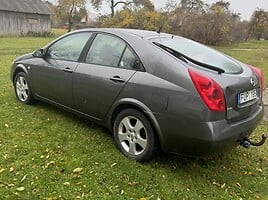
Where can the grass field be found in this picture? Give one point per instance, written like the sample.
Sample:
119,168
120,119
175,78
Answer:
46,153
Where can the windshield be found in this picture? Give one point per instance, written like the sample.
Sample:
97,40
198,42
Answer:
201,53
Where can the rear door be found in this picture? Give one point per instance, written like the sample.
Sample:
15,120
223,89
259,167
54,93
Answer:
108,66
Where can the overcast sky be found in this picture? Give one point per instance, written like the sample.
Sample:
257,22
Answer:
245,7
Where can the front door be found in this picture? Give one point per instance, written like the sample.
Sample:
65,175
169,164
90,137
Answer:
52,76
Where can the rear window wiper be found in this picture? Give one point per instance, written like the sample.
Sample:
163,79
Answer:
187,58
172,51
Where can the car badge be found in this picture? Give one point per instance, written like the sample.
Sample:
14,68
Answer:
253,82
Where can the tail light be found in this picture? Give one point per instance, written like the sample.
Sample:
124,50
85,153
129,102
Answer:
260,76
210,91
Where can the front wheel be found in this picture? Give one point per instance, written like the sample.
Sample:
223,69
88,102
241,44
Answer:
22,89
134,135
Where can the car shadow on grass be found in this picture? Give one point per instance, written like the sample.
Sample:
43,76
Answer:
71,116
168,160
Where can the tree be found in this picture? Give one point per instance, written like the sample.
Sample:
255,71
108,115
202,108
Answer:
122,19
221,6
138,19
68,8
113,4
211,25
259,24
183,17
197,5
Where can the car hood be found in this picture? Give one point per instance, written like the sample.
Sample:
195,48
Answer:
23,57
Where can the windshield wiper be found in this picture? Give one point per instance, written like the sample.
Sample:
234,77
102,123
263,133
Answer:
187,58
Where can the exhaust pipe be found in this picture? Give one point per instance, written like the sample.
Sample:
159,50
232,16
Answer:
246,142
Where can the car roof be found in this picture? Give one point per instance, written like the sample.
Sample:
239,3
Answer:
144,34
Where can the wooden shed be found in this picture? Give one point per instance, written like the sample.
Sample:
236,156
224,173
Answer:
21,17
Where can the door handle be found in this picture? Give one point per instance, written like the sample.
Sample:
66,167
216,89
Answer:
67,69
117,79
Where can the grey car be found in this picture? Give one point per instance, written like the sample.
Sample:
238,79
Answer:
152,90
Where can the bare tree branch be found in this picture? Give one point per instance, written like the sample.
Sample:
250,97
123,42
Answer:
122,2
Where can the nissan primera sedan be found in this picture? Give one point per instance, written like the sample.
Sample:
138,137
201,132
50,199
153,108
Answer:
152,90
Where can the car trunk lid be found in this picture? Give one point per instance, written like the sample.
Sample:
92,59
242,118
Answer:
243,95
243,92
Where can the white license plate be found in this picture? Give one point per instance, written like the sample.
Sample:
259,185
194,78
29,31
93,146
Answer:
247,96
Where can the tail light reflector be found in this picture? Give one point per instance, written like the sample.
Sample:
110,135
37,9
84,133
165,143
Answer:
210,91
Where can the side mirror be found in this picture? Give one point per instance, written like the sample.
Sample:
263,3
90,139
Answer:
39,53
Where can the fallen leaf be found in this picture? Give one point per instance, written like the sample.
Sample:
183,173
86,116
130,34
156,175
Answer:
50,163
217,184
23,178
6,125
238,184
77,170
20,189
66,183
2,170
113,164
259,170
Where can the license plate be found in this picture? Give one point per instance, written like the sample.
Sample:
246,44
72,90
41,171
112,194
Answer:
247,96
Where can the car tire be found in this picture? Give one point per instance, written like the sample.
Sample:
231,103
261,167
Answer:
134,135
22,88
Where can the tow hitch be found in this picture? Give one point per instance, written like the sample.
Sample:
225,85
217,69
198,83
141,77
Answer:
245,142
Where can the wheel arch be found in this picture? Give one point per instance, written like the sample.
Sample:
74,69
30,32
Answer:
19,68
135,104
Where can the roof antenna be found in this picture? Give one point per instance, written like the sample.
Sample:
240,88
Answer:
159,30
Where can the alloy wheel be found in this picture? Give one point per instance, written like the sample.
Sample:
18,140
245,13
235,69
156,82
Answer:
22,89
132,135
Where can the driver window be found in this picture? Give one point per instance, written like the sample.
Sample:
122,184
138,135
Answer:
69,48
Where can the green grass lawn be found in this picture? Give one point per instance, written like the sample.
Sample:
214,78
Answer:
47,153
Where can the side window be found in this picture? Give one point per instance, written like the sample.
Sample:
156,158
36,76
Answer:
106,50
69,48
128,60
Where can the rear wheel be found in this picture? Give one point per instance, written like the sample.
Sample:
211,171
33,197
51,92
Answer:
22,89
134,135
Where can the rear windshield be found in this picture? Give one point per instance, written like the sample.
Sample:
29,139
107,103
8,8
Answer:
201,53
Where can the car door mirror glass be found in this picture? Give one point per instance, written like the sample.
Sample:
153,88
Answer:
39,53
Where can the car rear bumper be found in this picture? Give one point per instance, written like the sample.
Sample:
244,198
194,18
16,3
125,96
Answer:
197,138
